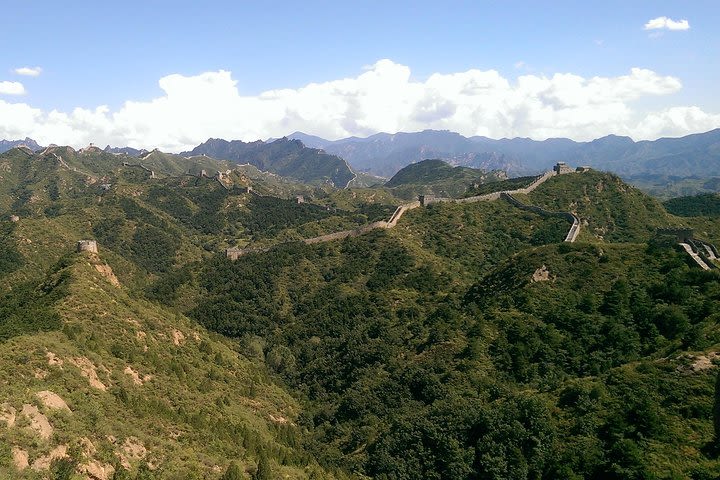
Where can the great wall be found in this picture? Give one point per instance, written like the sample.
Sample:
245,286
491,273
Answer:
703,253
234,253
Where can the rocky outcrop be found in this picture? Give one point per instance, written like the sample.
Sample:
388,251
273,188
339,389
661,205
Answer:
38,422
52,400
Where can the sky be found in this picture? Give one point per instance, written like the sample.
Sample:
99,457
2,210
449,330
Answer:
173,74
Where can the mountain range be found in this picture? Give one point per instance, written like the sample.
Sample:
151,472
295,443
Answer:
312,159
6,145
384,154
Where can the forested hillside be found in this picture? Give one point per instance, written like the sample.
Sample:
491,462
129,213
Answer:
468,341
411,373
706,205
289,158
439,178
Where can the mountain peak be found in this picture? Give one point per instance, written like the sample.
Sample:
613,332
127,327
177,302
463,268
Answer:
28,142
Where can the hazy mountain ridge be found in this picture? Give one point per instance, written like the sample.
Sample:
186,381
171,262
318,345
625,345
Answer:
285,157
385,154
130,151
314,159
6,145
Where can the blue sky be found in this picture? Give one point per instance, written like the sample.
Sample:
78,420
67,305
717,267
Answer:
95,54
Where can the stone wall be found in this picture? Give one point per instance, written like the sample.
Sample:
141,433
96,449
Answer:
424,200
140,166
701,263
395,217
570,217
87,246
430,199
346,233
26,150
479,198
234,253
680,234
561,168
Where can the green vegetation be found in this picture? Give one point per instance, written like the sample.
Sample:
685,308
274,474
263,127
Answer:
466,342
10,257
613,210
165,392
28,308
489,378
699,205
510,184
440,178
289,158
664,187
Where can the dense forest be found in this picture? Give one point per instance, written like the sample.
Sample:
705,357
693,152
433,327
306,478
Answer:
699,205
406,378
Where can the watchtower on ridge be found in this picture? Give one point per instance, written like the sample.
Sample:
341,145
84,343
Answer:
87,246
561,168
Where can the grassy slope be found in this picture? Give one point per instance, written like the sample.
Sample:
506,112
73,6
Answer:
180,218
383,332
201,404
486,249
438,177
169,164
466,239
707,204
610,209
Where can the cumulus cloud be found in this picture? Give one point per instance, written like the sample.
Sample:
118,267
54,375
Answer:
28,71
677,121
11,88
665,23
384,97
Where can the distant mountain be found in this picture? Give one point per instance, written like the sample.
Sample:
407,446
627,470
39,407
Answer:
289,158
311,141
6,145
440,178
132,152
385,154
426,172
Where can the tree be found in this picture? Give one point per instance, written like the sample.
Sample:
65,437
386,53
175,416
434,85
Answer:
263,472
63,468
716,410
233,472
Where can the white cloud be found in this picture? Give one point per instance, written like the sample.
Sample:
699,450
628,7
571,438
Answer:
666,23
677,121
382,98
28,71
11,88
